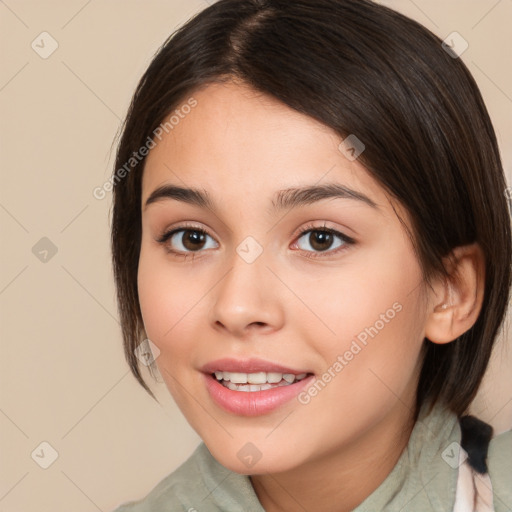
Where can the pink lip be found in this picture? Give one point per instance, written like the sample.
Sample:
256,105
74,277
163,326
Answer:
251,403
247,366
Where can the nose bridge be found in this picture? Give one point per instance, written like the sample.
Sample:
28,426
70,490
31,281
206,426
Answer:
245,281
245,295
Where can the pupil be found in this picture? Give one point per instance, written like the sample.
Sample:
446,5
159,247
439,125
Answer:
320,240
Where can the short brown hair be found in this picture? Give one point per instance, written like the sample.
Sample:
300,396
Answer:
359,68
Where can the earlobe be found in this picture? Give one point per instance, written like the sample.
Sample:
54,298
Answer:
457,300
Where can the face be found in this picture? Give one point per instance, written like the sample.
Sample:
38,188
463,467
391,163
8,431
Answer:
260,283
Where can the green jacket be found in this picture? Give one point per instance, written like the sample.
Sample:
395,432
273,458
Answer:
424,478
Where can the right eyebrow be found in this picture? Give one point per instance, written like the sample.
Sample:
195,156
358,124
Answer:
191,196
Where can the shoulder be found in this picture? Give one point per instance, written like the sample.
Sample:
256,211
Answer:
499,462
199,484
176,491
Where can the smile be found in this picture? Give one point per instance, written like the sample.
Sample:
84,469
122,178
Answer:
259,381
253,387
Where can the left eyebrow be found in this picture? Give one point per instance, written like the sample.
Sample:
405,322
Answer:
292,197
284,199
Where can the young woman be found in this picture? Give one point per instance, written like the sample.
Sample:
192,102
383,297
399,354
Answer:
310,225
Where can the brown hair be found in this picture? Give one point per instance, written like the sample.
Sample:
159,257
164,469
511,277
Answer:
359,68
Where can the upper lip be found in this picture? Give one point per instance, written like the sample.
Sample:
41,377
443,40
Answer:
252,365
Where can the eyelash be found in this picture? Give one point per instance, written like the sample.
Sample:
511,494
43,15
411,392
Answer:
347,241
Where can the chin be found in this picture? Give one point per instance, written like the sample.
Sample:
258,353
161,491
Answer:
249,460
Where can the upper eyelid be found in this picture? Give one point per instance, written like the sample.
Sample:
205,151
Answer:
308,228
168,233
300,231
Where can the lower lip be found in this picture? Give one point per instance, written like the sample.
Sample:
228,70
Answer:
253,403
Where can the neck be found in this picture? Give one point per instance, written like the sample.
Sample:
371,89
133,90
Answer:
339,481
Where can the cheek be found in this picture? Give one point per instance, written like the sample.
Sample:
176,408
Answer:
376,289
166,298
168,302
374,315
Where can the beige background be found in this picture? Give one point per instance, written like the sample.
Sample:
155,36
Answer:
63,376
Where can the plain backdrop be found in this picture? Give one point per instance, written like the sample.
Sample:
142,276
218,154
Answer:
64,381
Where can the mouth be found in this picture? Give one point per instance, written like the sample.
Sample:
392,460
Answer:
258,381
253,387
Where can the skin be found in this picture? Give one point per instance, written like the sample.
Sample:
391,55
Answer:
242,147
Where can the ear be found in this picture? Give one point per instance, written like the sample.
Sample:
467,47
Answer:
456,301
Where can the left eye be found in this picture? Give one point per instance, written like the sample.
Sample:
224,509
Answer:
321,240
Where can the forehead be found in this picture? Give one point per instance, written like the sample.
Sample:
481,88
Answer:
236,142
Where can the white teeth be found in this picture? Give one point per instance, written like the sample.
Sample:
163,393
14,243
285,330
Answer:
248,387
237,378
257,379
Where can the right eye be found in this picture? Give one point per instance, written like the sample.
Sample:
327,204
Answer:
185,239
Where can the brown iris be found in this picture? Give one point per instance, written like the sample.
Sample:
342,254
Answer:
193,240
320,240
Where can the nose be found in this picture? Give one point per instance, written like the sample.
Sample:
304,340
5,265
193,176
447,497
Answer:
247,300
